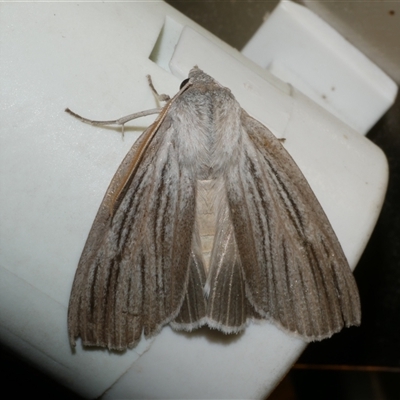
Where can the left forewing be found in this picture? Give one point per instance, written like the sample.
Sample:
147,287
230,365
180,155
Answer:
133,273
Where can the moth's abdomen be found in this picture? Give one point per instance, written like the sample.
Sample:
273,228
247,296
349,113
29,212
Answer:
205,217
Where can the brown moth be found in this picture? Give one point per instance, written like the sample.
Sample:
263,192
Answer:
209,221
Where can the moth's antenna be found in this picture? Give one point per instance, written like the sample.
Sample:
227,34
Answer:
120,121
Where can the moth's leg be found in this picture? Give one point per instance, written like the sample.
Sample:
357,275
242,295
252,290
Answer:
121,121
159,97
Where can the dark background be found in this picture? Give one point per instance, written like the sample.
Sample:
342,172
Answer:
358,363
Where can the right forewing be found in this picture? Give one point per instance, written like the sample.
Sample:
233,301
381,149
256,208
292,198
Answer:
295,270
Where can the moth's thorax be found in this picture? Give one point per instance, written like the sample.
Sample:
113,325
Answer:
207,119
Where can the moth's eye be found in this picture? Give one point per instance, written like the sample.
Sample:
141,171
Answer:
184,83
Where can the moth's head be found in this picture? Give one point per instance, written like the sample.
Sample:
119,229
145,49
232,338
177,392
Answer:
196,75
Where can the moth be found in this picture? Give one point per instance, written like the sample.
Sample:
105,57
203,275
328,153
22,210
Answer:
209,221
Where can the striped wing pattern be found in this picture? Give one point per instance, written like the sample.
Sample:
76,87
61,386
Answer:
133,274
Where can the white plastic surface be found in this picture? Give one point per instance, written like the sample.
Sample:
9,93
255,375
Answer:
298,47
93,58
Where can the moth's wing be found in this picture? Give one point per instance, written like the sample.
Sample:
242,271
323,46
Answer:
228,308
133,273
193,310
295,270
